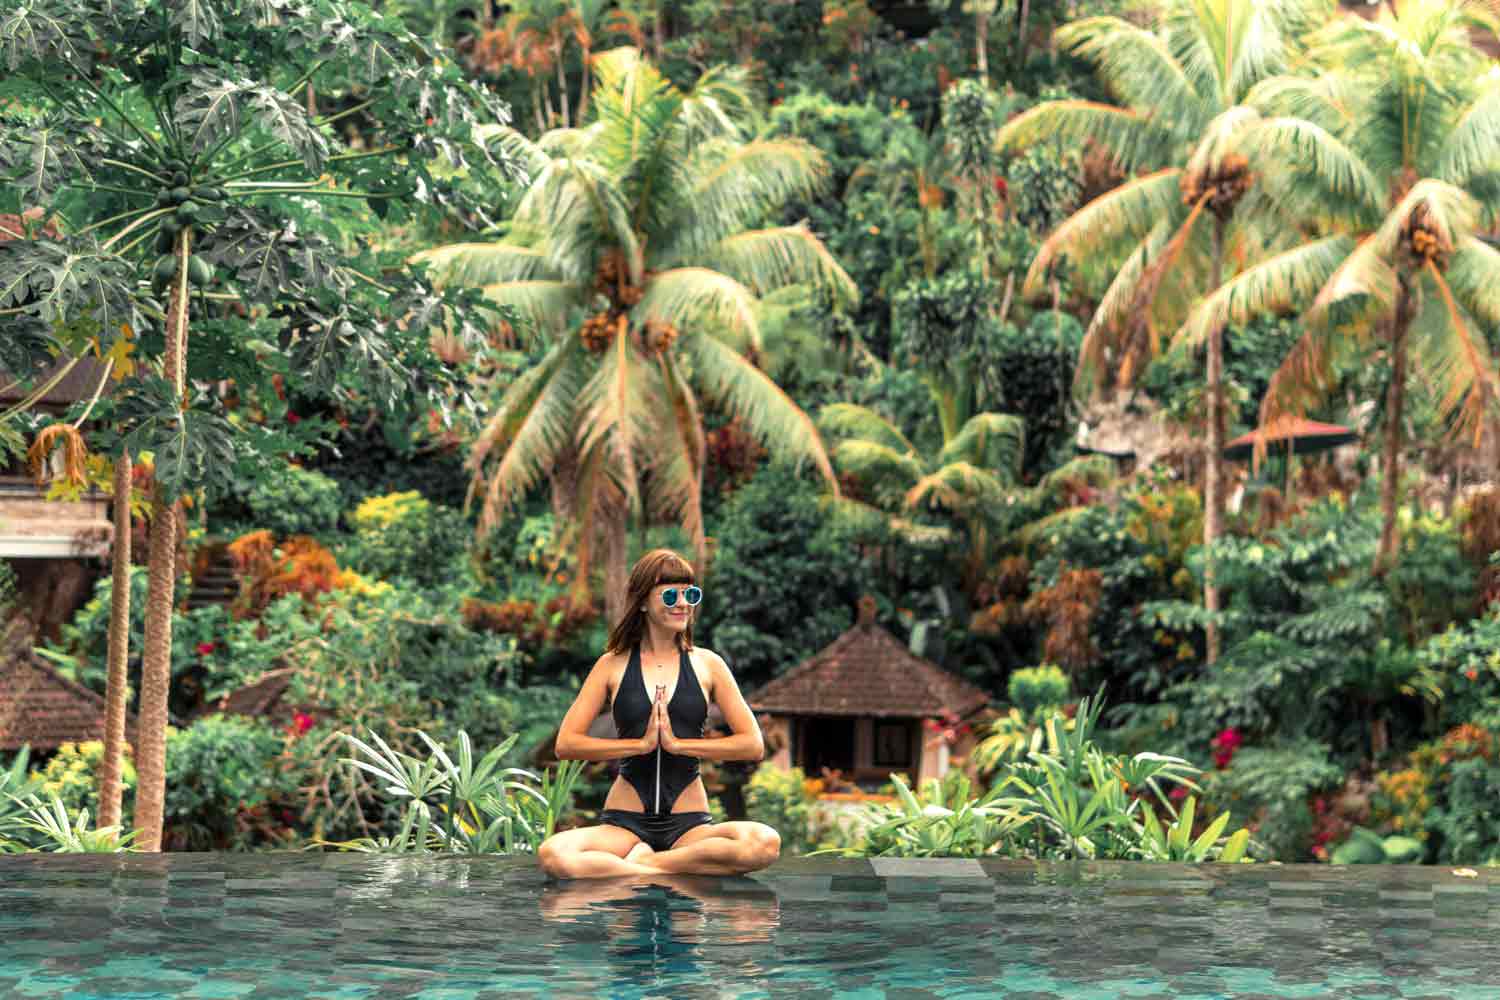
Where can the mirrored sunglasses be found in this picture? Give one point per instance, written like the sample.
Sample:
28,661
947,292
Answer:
690,595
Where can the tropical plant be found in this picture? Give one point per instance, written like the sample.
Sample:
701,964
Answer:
179,130
464,807
972,477
1162,239
71,834
1395,136
642,221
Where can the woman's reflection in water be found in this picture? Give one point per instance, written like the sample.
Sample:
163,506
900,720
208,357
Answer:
703,927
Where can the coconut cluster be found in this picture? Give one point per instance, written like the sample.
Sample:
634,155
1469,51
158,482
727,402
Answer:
1424,239
600,330
1225,183
659,335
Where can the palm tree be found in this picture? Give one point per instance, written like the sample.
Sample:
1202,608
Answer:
1396,131
1160,241
973,476
648,222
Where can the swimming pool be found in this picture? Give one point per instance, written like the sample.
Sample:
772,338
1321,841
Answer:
454,928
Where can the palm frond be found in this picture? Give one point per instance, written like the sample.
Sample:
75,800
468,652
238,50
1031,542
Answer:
1474,276
618,408
675,486
958,486
1138,68
688,297
1472,145
747,392
1363,280
733,185
543,304
888,473
995,442
869,520
1104,339
1277,285
768,259
1268,39
850,420
485,263
1347,191
1328,100
530,424
1102,229
513,143
1456,360
1134,140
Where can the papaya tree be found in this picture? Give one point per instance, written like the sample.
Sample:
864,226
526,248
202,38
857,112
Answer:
189,184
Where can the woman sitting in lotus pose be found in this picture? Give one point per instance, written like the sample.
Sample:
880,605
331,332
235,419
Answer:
655,818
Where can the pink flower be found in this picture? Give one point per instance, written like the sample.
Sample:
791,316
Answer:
1178,793
1225,744
301,723
204,648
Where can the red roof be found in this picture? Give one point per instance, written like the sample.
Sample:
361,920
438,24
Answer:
1292,428
868,672
42,708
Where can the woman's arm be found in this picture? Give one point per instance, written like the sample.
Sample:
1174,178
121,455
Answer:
573,741
745,743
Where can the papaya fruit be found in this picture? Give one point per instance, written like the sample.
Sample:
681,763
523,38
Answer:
200,273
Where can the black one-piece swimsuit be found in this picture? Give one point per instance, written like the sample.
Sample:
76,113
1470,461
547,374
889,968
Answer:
658,776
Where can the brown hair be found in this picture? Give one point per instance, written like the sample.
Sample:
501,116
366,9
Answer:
656,566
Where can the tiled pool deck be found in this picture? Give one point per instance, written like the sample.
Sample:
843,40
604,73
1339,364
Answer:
351,925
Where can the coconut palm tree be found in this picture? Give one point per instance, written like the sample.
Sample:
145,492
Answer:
973,477
1395,133
646,225
1163,239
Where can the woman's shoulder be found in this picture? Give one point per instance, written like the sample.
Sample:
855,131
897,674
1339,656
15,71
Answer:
709,658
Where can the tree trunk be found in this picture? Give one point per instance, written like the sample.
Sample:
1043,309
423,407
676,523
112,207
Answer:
982,42
1021,40
658,36
110,792
562,84
585,85
1395,398
616,574
1214,466
156,662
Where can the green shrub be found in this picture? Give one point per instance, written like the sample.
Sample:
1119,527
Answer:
779,798
297,502
73,774
1034,690
217,768
403,535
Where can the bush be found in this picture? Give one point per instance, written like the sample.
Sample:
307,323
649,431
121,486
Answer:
782,799
218,769
73,774
402,535
1034,690
297,502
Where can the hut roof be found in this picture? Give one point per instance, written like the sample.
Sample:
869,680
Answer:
42,708
868,672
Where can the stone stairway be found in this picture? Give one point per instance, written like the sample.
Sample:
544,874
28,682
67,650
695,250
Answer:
215,584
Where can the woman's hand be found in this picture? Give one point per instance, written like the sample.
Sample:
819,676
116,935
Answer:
648,741
669,741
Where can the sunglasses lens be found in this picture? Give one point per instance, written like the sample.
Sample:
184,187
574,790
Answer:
669,596
694,595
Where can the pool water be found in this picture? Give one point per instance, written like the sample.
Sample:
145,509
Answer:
364,926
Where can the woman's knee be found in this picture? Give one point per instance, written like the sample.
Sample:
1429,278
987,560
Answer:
765,844
552,856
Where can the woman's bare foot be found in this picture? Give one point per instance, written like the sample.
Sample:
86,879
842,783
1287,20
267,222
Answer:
640,854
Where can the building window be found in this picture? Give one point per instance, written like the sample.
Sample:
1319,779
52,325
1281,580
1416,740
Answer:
892,744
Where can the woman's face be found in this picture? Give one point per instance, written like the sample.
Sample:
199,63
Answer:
673,619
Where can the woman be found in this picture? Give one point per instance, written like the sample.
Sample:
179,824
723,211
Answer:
655,818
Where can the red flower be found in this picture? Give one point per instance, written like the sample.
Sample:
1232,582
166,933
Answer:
204,648
292,418
301,723
1000,186
1225,744
1178,793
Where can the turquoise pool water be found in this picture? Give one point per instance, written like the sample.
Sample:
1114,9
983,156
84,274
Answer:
450,928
